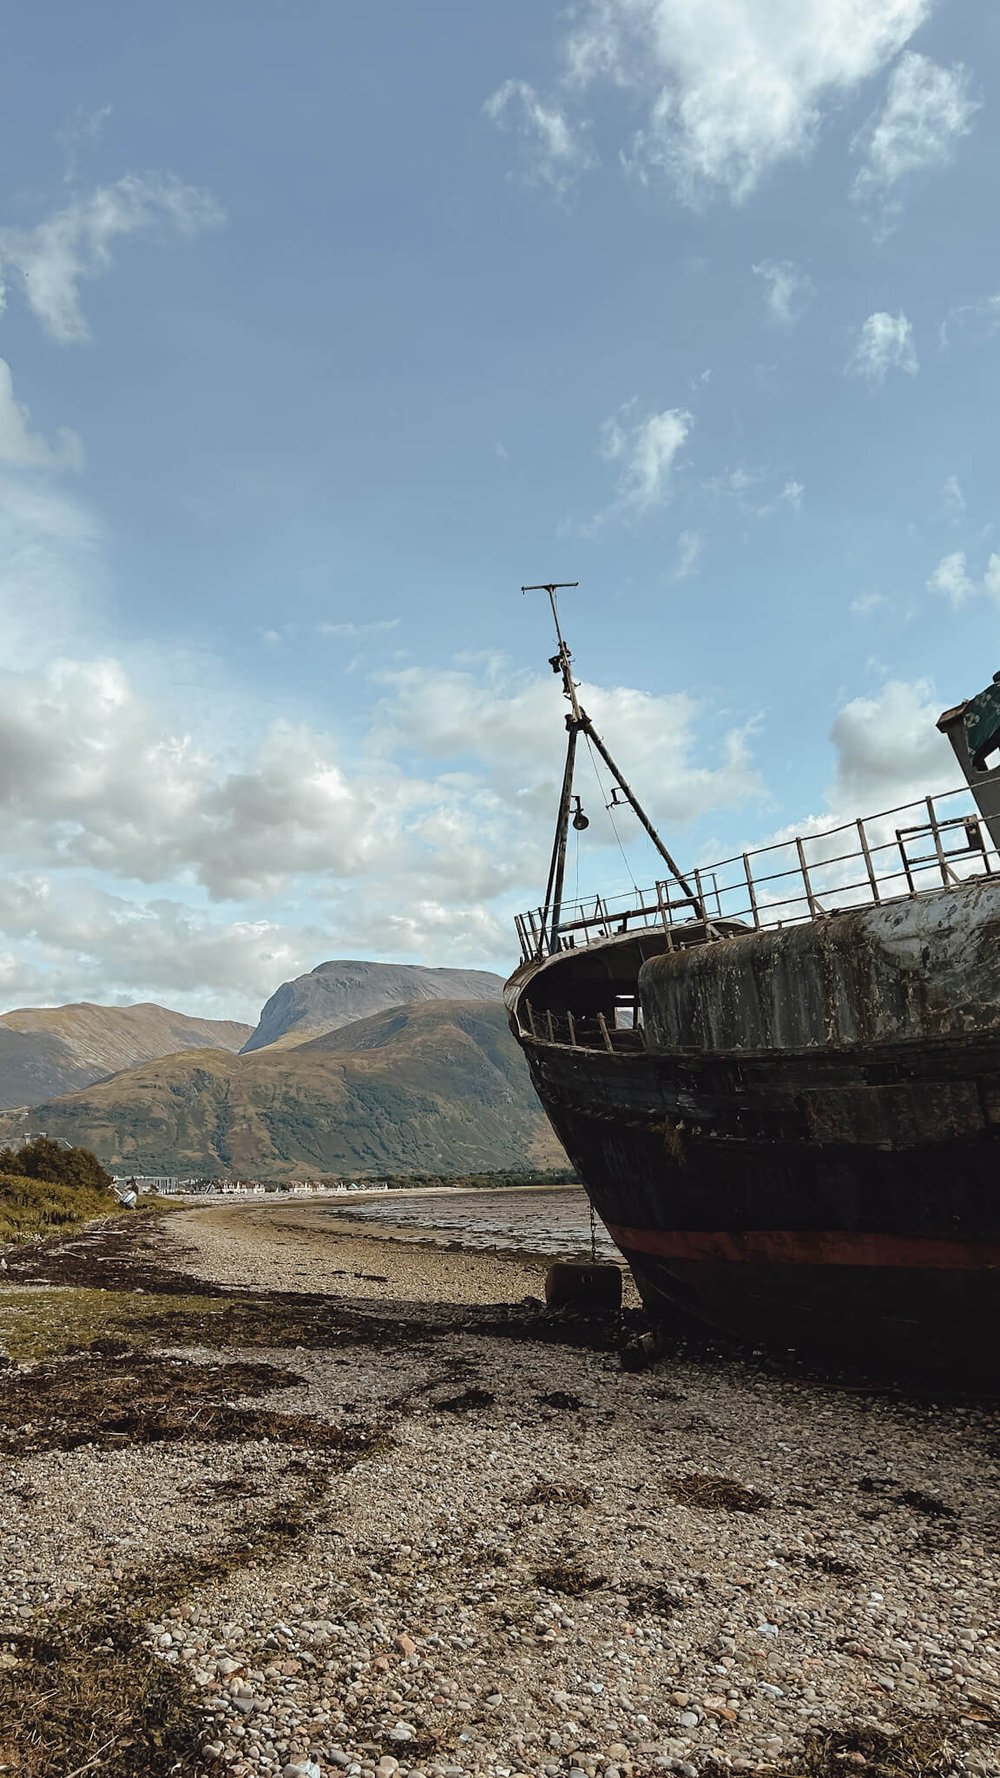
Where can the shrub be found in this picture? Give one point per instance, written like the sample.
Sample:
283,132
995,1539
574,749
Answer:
56,1164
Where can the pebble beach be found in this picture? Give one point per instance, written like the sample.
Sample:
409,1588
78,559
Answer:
449,1537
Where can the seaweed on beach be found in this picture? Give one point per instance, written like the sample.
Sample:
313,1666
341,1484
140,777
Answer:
82,1691
559,1494
919,1749
566,1577
466,1402
150,1400
714,1493
655,1599
929,1504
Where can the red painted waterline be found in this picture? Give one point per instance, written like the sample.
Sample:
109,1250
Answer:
811,1247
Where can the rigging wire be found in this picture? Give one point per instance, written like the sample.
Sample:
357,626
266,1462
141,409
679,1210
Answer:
609,807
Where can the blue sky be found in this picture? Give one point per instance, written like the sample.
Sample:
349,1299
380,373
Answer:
326,327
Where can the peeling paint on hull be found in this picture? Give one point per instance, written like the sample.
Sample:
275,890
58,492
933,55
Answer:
834,1186
833,1246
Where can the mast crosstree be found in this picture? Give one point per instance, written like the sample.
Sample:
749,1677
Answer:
579,723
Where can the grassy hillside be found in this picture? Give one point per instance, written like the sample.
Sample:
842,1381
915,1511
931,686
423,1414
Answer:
45,1050
34,1207
435,1087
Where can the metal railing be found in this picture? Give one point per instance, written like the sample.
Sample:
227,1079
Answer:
911,850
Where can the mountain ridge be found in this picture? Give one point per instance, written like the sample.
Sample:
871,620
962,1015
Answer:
46,1051
343,990
433,1086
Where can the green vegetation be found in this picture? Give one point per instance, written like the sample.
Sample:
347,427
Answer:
56,1164
48,1188
44,1321
490,1181
435,1089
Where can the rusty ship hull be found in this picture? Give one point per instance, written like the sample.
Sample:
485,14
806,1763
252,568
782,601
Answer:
798,1136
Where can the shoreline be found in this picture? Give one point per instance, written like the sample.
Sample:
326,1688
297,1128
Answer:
307,1248
417,1536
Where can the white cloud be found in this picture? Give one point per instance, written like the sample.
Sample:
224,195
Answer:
788,499
953,500
505,732
49,568
74,941
354,632
952,579
52,259
885,343
81,129
789,290
688,554
24,449
985,308
746,487
555,153
453,794
927,110
866,604
732,87
888,750
646,451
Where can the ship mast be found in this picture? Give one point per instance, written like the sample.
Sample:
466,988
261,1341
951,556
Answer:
579,723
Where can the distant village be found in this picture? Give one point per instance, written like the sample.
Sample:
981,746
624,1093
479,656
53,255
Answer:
171,1185
166,1185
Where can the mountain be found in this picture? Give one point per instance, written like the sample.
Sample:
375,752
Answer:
336,994
435,1086
58,1049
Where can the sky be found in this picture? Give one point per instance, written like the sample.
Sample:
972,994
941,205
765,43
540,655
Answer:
324,328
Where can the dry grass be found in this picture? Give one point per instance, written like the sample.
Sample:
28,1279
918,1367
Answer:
33,1208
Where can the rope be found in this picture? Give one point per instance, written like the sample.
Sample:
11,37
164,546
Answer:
593,1231
610,809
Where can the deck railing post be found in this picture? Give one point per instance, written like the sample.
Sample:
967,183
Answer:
907,871
814,907
605,1033
552,1033
946,875
751,890
870,868
531,1019
572,1028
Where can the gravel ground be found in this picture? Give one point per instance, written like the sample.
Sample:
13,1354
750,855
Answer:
524,1578
305,1247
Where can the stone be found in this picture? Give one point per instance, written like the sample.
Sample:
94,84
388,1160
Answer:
405,1644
